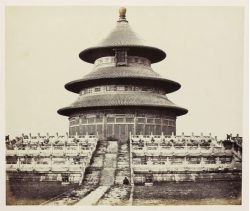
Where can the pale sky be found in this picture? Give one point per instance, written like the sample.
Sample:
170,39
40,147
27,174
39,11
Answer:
205,54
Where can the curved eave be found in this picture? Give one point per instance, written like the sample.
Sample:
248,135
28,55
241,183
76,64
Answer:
153,54
77,85
67,111
122,99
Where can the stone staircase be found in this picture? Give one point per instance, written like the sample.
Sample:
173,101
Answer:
90,182
123,164
93,172
110,164
118,194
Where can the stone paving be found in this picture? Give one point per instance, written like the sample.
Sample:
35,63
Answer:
94,196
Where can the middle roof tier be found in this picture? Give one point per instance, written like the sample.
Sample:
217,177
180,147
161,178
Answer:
129,75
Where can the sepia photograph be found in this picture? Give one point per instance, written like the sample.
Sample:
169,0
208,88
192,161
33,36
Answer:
112,105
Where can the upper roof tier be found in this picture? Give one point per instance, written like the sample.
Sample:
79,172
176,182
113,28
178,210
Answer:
122,36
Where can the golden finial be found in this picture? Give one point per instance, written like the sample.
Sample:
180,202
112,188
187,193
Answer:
122,12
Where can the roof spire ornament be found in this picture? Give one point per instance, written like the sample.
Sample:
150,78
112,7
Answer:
122,16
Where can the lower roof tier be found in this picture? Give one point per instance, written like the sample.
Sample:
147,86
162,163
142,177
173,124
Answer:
122,75
122,99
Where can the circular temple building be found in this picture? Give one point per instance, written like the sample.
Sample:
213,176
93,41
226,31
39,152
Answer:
122,93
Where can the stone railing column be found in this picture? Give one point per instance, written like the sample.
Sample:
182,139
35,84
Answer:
34,163
68,163
78,148
39,148
185,161
51,163
202,162
51,149
18,162
15,149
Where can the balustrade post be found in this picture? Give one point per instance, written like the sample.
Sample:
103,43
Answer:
202,162
199,147
18,162
162,136
34,163
223,147
15,148
39,148
185,161
64,149
51,163
51,149
67,137
173,148
27,148
167,163
78,148
68,162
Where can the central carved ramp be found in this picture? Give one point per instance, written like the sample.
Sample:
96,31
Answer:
110,163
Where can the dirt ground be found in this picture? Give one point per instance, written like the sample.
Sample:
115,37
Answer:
189,193
33,193
183,193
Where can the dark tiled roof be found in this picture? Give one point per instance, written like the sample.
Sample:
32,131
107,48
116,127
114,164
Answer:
124,75
122,36
123,98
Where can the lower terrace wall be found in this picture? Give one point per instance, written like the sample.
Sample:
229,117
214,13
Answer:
186,177
43,177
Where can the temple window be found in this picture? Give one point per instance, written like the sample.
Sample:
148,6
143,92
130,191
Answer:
77,130
140,129
165,130
129,119
121,56
111,120
110,130
119,120
99,120
120,88
158,121
91,120
149,129
99,129
97,89
165,122
158,130
141,120
84,120
150,120
91,129
131,129
77,122
83,131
